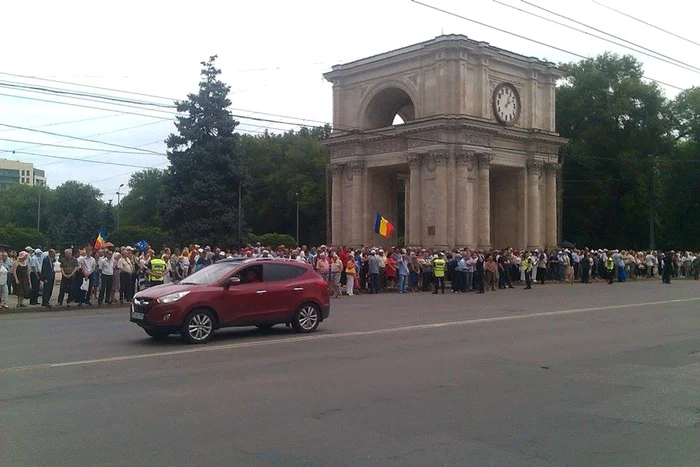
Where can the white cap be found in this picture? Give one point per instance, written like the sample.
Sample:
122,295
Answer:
200,250
37,251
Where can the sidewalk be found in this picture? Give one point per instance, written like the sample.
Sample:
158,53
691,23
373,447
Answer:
12,303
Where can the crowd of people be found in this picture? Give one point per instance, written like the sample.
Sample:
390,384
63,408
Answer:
111,275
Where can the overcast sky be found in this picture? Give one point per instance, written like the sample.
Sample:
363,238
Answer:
272,53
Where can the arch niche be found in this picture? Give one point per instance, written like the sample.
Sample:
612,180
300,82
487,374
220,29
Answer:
385,105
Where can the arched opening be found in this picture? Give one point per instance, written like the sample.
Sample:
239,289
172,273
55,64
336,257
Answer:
390,106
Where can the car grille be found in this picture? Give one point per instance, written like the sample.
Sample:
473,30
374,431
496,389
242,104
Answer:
141,305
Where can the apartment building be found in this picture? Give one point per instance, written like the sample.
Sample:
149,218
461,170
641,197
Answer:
16,172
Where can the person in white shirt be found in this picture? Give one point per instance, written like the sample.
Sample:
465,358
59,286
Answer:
106,267
86,265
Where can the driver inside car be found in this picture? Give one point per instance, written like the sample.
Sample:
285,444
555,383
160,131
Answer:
250,276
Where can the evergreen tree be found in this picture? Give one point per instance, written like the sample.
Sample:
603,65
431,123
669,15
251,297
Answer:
201,202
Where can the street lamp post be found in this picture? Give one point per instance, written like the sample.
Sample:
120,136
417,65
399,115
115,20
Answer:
38,211
297,194
119,194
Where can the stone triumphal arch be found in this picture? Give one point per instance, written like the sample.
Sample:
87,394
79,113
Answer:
476,150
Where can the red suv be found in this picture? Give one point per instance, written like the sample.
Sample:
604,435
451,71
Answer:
258,292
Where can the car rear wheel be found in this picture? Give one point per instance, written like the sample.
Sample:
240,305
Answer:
157,334
264,326
198,327
306,318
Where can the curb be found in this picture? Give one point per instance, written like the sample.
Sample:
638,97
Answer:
42,309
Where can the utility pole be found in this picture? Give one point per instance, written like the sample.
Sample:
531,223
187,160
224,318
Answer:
38,211
297,194
240,212
652,239
119,194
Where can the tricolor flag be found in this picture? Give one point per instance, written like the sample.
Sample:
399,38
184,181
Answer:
101,236
383,227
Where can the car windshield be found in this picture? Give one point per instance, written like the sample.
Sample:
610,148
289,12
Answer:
211,273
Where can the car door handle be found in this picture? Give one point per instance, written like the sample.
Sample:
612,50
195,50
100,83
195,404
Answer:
260,292
298,289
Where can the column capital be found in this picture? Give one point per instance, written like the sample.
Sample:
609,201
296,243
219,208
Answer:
414,160
534,167
551,169
336,169
440,157
484,160
466,158
356,168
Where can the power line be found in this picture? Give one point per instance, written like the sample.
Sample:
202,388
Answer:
85,86
123,174
90,99
595,35
88,140
97,134
69,122
174,114
123,112
519,36
100,154
646,23
72,159
66,92
78,148
608,34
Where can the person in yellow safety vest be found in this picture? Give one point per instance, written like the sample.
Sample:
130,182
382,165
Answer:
439,265
156,271
610,266
527,269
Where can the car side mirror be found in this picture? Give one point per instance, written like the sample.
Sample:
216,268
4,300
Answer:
233,281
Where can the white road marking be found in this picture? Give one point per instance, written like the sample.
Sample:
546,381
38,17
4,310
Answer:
292,340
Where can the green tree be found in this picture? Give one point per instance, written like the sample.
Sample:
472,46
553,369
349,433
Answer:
619,128
279,167
20,237
129,235
680,201
146,194
75,214
202,182
19,205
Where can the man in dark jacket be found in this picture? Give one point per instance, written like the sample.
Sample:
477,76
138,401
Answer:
48,277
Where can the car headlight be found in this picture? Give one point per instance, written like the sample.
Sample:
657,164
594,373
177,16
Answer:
173,297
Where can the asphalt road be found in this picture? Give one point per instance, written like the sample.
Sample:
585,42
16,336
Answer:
560,375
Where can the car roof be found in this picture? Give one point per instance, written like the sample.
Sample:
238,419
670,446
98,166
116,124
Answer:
245,260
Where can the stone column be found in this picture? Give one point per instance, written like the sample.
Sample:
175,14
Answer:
337,205
406,208
464,163
534,171
484,210
551,210
415,227
357,170
440,158
471,202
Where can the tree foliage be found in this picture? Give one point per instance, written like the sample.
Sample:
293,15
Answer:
619,127
202,182
146,196
279,167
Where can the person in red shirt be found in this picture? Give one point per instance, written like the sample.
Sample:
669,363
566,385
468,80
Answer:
390,272
343,255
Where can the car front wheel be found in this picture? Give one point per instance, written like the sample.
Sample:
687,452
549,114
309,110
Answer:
198,327
306,318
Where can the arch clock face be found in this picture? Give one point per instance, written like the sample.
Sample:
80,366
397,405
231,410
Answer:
506,104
